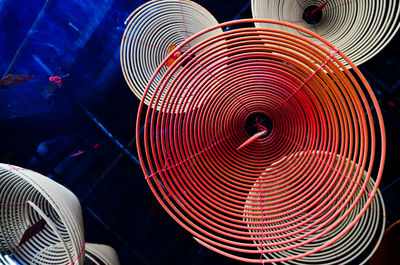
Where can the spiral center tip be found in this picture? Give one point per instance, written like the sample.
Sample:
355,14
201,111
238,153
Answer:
257,122
312,14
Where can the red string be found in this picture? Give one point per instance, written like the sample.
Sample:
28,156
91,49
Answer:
80,254
376,210
213,76
260,189
13,168
306,81
330,167
146,43
298,3
192,156
183,19
165,168
343,4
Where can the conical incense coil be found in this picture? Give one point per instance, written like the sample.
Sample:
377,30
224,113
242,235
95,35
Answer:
358,244
40,220
272,94
100,254
360,29
153,31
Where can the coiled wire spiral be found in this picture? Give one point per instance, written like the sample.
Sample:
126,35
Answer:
359,243
151,31
300,96
26,198
360,29
97,254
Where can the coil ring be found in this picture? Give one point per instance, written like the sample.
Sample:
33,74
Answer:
151,30
100,254
360,29
240,79
26,198
356,244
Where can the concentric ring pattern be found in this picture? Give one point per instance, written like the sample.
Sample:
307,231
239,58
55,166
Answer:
100,254
301,98
153,31
359,243
40,220
360,29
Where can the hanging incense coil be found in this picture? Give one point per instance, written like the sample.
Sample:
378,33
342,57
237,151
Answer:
358,244
272,94
153,31
40,220
97,254
360,29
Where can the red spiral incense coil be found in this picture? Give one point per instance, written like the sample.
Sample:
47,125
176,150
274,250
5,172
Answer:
216,96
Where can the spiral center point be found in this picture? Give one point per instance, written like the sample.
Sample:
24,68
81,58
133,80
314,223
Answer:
312,14
257,122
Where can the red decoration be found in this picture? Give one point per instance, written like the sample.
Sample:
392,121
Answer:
174,57
32,231
56,80
12,80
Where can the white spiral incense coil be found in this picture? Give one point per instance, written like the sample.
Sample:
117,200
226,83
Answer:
360,29
153,30
29,200
358,244
97,254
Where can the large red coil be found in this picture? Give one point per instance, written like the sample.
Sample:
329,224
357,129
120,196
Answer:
212,99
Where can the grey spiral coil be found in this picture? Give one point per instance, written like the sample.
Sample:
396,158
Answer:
360,243
151,31
29,200
360,29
